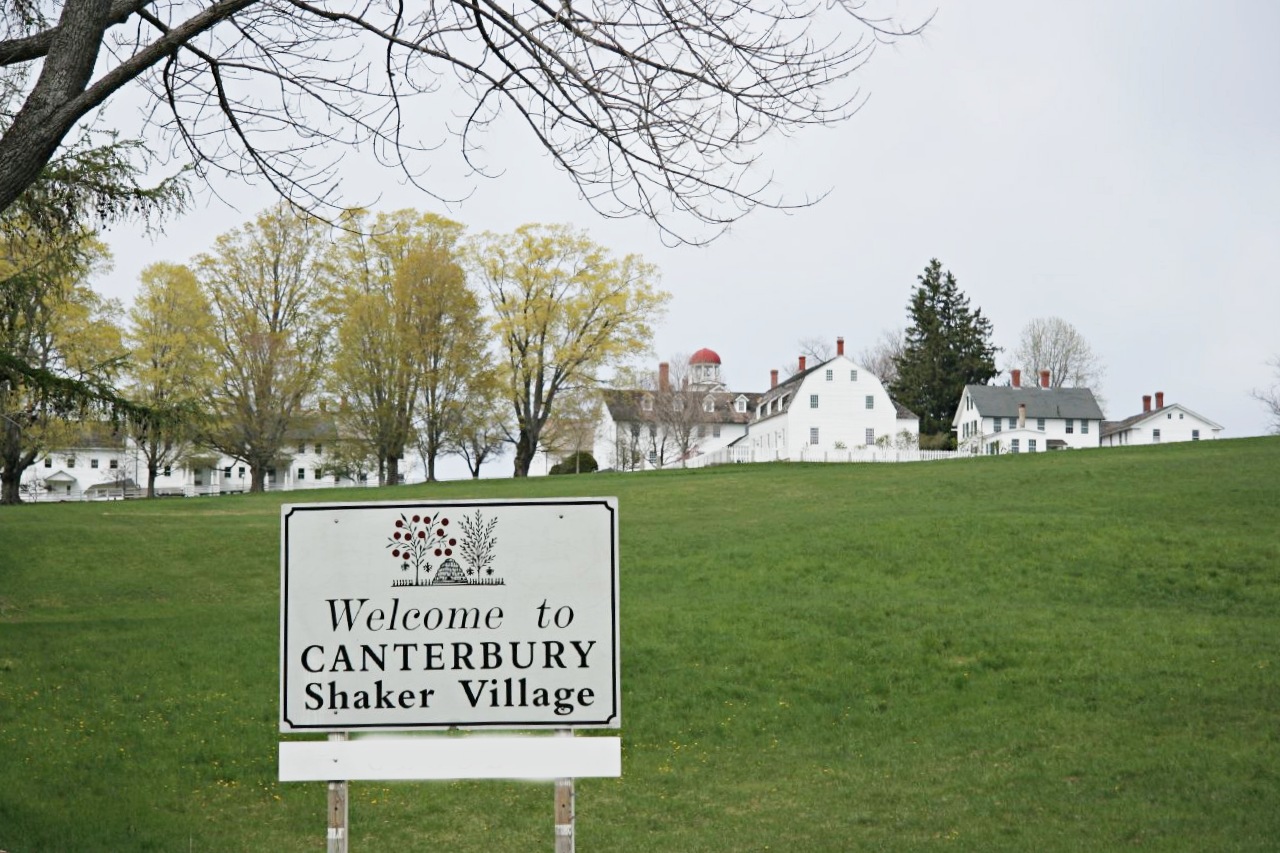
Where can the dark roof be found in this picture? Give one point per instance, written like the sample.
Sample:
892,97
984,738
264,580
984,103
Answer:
98,434
1003,401
627,406
312,426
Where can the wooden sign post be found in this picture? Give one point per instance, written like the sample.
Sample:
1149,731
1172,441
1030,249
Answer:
402,617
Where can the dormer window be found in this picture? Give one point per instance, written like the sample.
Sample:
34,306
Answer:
646,403
708,403
740,404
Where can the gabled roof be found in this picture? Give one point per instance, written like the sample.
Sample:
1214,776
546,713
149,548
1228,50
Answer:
626,406
903,412
1003,401
1113,427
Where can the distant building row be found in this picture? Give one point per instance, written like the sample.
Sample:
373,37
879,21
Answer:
837,410
100,463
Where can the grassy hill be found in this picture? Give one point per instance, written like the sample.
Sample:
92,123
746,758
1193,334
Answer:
1071,651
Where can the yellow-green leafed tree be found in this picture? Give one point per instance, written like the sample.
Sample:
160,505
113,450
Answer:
60,341
410,335
269,284
564,308
171,343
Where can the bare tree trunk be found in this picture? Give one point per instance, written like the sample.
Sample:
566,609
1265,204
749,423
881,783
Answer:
258,479
393,471
151,481
9,482
526,446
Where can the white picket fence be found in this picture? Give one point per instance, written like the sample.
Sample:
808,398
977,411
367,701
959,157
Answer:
740,455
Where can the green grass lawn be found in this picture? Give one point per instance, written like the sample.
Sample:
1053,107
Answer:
1069,651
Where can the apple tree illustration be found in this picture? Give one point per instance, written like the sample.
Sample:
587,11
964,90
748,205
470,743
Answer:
416,540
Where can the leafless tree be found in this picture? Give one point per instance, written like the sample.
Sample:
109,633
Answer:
1055,345
1271,397
881,358
679,414
815,351
652,108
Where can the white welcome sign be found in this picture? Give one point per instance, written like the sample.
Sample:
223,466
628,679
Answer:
473,614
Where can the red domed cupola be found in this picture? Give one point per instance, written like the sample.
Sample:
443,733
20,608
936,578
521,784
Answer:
704,369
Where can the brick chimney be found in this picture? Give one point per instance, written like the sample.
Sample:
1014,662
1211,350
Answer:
664,376
1044,379
1146,402
1022,416
773,379
800,369
1016,377
1159,400
839,346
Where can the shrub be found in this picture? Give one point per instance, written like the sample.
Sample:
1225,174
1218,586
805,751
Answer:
581,462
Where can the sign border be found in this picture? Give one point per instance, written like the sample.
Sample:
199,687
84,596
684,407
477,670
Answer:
611,720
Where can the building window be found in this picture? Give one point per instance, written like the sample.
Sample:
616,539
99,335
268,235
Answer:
715,430
1084,427
302,448
853,376
71,462
226,472
302,474
113,464
1031,445
871,401
241,472
647,403
998,423
1195,435
831,374
1155,436
168,471
870,436
813,435
48,462
1040,424
1071,426
701,432
318,449
1013,446
813,401
93,463
740,404
1013,423
708,403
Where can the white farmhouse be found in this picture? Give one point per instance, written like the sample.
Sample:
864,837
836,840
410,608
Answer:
1160,425
1026,419
834,407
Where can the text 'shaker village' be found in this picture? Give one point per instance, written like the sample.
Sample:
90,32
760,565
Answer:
484,614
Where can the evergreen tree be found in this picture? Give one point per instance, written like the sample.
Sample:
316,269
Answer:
948,346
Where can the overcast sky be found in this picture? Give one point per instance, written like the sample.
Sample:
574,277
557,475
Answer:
1115,164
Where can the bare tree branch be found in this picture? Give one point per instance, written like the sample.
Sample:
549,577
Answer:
651,107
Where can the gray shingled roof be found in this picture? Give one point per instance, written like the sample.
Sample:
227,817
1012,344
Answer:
1003,401
625,406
